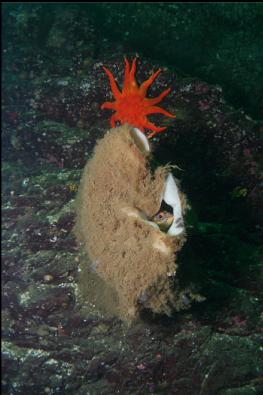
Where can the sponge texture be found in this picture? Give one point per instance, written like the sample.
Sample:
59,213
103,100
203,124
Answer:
118,196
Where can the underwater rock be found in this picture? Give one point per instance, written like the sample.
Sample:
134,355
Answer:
117,200
51,121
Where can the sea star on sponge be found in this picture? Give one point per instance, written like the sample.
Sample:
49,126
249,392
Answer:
132,105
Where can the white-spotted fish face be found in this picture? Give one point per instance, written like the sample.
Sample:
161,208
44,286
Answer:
163,219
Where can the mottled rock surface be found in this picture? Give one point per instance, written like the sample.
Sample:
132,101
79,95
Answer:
53,342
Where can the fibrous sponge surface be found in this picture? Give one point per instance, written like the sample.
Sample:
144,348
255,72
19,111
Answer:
117,197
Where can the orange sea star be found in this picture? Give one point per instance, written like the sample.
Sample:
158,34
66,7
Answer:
132,105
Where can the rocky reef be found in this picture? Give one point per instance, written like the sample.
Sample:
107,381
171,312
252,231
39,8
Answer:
53,340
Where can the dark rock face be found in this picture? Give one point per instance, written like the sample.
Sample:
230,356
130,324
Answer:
53,342
219,43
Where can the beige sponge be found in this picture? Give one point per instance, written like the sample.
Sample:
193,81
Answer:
118,197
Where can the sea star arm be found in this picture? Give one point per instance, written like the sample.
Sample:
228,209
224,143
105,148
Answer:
152,126
146,84
159,98
130,84
113,120
154,133
158,110
114,87
133,69
126,74
109,105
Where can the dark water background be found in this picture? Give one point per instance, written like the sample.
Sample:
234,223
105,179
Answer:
220,43
55,341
